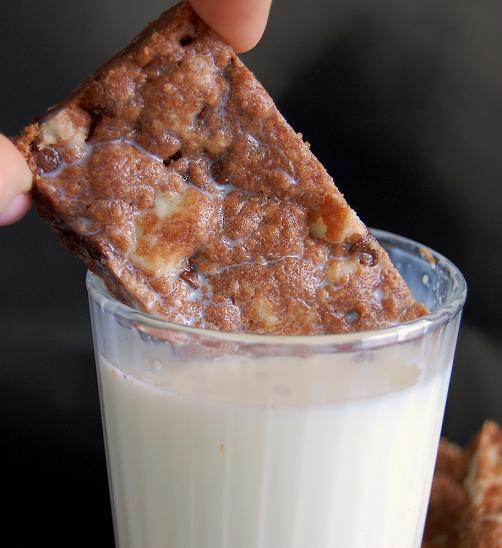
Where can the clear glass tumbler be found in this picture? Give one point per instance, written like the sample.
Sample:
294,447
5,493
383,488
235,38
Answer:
232,440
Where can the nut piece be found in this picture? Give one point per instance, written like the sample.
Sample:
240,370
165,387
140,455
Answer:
68,128
339,270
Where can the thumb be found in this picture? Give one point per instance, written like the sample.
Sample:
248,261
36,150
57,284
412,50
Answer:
240,22
15,179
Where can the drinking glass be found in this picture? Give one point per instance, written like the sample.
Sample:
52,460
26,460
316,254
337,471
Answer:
235,440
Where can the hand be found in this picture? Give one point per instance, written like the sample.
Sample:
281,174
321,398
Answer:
240,22
15,181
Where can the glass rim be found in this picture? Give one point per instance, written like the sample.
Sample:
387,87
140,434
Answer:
375,338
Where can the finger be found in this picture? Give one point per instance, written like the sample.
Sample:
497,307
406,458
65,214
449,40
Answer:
15,175
16,209
240,22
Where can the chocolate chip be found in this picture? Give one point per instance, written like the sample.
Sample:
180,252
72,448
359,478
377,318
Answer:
176,156
185,40
203,113
48,159
217,171
368,259
191,278
367,255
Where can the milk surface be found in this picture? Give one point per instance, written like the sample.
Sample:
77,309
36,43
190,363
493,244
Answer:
269,453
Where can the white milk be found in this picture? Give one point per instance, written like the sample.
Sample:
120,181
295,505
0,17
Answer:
342,459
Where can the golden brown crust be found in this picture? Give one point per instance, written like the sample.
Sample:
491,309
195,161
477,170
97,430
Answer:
465,509
172,174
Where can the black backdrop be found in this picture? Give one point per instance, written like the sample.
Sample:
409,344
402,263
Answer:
401,100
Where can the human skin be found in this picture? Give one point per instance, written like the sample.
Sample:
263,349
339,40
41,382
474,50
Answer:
15,182
240,22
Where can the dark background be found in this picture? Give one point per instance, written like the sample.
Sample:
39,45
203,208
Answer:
401,100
